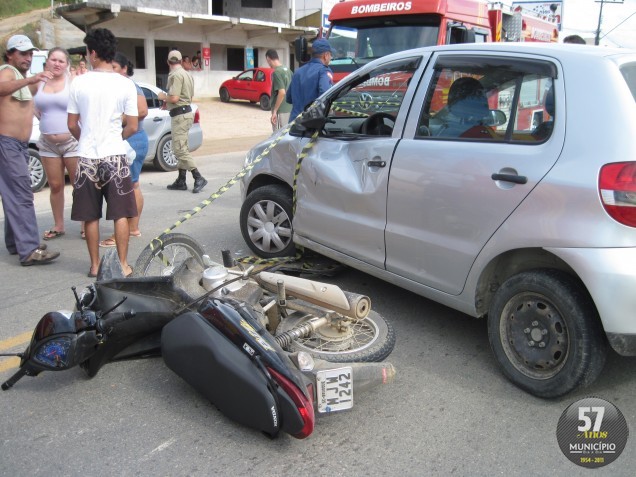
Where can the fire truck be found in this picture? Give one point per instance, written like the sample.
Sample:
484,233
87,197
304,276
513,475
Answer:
362,30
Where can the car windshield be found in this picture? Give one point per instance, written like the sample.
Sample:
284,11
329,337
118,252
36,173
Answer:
356,43
629,73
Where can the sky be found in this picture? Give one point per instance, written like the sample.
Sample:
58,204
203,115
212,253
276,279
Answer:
581,17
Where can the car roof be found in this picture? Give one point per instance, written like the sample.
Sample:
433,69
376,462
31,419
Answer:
557,50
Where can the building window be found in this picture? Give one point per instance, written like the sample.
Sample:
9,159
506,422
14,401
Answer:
256,3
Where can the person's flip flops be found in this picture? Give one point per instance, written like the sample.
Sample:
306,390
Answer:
109,242
52,234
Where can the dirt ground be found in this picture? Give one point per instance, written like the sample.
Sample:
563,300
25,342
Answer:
231,127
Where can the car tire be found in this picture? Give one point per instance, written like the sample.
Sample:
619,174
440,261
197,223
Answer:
266,221
164,159
264,102
225,95
36,171
545,333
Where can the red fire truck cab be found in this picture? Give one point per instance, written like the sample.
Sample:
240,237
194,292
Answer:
362,30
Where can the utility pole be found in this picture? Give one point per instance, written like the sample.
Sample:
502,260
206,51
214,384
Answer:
600,18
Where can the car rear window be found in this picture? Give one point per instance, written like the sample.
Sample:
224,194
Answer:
629,73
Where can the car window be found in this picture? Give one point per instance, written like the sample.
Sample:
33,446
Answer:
246,76
629,73
260,76
152,100
489,99
369,105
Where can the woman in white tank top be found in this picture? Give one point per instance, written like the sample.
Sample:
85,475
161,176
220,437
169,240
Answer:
57,147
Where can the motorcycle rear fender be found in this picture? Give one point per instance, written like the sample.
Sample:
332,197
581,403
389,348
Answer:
225,375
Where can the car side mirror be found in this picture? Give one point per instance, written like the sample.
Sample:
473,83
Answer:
314,116
496,118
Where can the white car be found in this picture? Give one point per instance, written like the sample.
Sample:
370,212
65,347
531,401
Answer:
156,125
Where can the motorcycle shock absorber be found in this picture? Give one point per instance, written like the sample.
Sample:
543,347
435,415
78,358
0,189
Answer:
301,331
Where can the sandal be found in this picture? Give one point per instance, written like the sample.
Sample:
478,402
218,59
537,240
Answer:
135,234
52,234
83,235
130,274
109,242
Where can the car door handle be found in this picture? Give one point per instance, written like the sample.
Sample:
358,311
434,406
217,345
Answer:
157,119
517,179
376,163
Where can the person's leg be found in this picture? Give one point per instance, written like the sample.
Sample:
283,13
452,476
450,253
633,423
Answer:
180,151
54,169
91,228
122,232
133,222
17,199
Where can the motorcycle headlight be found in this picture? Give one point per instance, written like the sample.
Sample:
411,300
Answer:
54,353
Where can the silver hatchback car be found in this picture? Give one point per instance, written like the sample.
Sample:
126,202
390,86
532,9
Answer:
498,179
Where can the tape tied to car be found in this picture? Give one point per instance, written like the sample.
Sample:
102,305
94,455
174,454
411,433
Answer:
157,242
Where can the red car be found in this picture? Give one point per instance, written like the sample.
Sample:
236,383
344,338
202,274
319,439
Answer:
253,85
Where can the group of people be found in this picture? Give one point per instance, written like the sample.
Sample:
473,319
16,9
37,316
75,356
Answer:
292,93
84,123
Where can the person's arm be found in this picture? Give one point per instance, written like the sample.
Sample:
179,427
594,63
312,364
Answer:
132,124
279,100
142,106
9,85
170,96
325,81
73,125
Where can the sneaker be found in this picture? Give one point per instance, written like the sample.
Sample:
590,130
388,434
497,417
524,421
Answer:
199,183
40,256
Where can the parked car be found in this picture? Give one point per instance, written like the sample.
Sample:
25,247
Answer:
511,195
157,126
253,85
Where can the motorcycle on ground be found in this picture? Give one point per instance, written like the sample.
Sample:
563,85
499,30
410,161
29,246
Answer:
267,349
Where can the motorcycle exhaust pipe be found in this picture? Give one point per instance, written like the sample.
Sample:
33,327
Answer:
326,295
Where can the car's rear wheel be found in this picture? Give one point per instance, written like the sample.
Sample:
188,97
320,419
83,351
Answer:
165,160
546,333
264,102
225,95
266,221
36,171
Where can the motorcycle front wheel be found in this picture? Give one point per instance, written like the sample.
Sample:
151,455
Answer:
364,341
162,259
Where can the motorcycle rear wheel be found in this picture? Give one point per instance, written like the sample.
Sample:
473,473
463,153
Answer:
163,260
370,340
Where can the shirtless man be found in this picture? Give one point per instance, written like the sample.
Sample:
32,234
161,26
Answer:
21,235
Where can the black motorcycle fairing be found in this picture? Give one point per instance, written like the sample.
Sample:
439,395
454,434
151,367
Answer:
237,321
154,300
220,371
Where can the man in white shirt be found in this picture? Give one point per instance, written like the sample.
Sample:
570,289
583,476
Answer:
97,101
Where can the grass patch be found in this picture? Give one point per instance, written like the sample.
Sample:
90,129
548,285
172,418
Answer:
10,8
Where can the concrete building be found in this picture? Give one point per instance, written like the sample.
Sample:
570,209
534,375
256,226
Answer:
231,35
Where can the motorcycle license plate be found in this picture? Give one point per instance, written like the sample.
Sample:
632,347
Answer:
335,389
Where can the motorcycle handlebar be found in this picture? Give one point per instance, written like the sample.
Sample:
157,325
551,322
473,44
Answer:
104,324
8,384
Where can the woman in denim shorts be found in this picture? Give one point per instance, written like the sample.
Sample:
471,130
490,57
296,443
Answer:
139,142
57,147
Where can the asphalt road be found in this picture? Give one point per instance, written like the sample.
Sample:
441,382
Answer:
449,412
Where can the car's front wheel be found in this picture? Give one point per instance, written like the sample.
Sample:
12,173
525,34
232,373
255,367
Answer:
36,171
545,333
225,95
264,102
266,221
165,160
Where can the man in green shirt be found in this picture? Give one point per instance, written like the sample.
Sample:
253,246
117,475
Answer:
280,82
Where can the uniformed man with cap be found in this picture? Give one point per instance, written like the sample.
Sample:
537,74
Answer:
178,101
312,79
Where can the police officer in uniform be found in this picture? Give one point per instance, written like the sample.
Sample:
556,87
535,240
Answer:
178,100
312,79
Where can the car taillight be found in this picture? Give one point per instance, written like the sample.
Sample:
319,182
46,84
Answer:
617,186
305,406
196,117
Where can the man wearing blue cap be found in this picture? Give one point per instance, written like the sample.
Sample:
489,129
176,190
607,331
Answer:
311,80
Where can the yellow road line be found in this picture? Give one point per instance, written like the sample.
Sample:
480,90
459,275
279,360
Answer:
13,362
15,341
9,363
